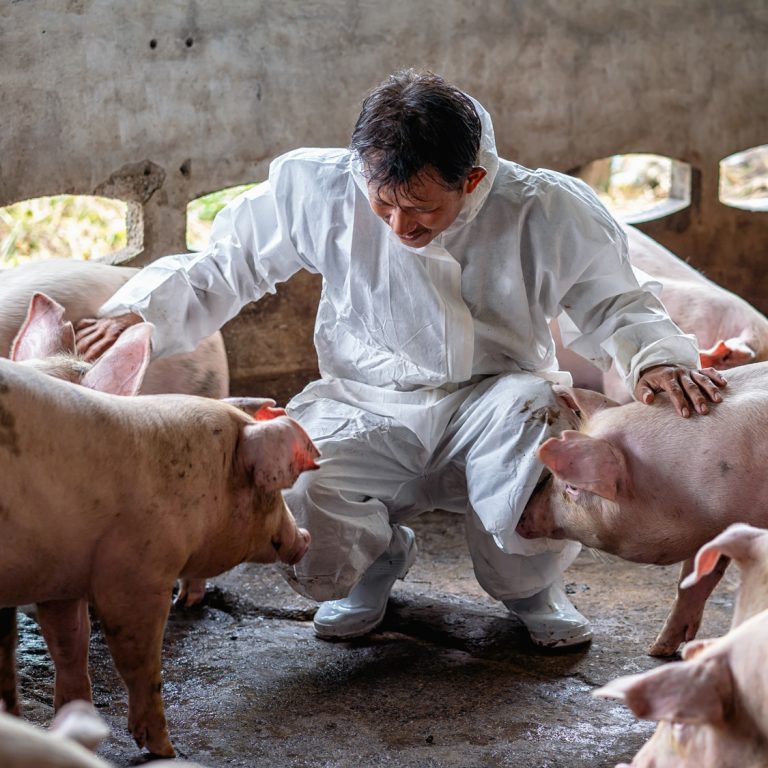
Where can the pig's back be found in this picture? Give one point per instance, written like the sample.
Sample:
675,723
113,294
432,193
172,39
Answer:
716,461
80,286
79,466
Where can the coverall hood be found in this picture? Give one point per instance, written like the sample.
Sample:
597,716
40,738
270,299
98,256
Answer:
487,157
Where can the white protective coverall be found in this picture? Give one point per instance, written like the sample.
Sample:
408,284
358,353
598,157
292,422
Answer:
435,362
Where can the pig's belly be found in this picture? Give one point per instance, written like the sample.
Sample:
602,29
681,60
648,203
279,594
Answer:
41,579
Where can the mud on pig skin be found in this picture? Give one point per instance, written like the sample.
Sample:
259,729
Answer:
111,499
642,483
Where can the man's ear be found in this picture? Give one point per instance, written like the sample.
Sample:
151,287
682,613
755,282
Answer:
476,175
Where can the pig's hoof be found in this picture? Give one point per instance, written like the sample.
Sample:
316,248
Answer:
160,745
191,593
663,648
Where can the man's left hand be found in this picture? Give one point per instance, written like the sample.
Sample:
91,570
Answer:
686,387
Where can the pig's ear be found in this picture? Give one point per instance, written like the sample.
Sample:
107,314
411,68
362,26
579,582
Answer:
44,332
79,721
588,463
582,401
727,354
735,541
695,692
120,370
259,408
276,451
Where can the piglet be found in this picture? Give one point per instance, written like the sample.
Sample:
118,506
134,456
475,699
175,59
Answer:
110,499
76,729
713,705
639,482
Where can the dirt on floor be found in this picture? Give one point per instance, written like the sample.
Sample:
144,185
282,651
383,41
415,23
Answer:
449,681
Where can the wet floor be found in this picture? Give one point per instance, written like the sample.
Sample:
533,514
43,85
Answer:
450,680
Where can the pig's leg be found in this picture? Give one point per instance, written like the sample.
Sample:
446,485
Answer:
8,695
684,619
191,592
66,627
135,639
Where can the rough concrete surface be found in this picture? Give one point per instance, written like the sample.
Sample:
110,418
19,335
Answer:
449,681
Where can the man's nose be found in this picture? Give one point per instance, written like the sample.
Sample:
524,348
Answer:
400,222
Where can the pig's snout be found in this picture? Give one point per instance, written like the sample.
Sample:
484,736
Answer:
292,555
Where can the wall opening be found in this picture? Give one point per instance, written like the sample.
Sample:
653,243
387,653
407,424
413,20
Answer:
639,187
62,227
202,211
744,179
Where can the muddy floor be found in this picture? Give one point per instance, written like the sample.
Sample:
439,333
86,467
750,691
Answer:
450,680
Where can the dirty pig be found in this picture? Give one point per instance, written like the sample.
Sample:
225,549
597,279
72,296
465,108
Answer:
110,499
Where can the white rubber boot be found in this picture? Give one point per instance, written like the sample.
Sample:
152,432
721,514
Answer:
363,610
551,619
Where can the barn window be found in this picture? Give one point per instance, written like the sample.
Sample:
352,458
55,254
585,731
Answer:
639,187
744,179
62,227
202,211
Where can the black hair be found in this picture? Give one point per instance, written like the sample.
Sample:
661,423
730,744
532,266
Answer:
414,122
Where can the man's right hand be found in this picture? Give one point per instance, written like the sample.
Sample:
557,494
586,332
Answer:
94,336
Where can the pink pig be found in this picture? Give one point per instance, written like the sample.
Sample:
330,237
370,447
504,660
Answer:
110,499
713,705
47,342
729,330
76,729
81,287
641,483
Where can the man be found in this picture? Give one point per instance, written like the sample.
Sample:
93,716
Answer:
442,265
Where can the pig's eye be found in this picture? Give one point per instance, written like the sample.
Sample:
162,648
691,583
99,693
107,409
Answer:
572,490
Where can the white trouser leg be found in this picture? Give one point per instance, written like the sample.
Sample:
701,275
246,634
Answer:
365,482
493,438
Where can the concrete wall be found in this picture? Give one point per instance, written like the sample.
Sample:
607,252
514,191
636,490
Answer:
161,102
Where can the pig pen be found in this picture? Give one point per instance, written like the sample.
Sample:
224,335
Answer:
449,681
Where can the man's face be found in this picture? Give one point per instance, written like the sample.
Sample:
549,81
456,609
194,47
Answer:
426,209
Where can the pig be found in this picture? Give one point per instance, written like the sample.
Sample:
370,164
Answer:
729,330
747,546
110,499
713,705
47,342
81,287
76,729
639,482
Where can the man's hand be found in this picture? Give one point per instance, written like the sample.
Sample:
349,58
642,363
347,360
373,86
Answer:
686,387
94,336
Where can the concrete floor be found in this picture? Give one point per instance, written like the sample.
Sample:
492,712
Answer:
450,680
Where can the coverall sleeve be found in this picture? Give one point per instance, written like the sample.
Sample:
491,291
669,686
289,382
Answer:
609,314
189,296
